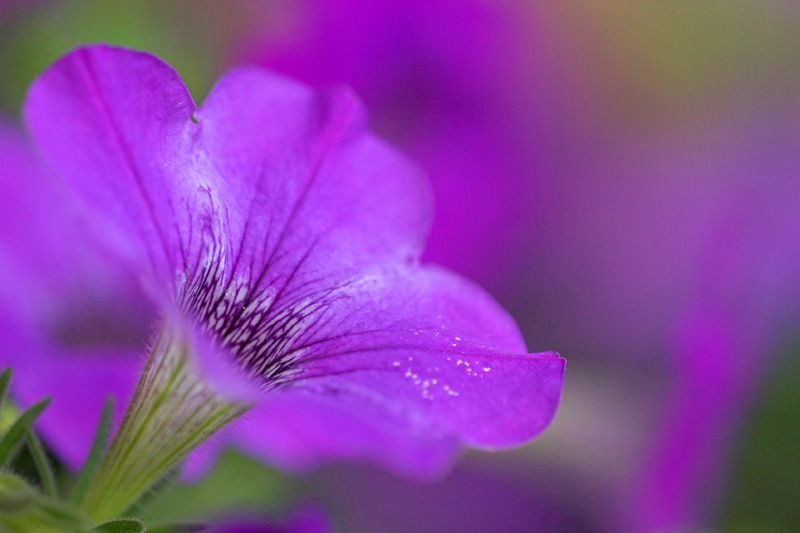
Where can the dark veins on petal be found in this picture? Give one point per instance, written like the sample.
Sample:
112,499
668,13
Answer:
263,323
271,311
268,317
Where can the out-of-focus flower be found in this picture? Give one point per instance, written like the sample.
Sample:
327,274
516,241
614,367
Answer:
281,241
653,231
6,5
744,300
309,519
60,301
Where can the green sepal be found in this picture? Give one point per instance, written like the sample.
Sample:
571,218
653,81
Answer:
95,454
121,525
8,413
177,528
18,430
5,377
43,466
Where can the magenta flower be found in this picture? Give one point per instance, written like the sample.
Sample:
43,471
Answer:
281,241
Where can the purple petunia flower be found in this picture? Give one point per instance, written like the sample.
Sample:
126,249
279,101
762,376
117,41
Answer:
281,240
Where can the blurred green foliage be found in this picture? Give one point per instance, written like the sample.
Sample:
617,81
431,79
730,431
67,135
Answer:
193,37
662,61
235,483
765,484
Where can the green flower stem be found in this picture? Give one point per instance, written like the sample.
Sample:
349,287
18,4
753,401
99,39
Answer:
172,412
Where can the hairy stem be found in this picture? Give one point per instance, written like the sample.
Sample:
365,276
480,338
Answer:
173,411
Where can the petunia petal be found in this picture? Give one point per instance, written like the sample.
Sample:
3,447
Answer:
112,122
306,186
299,432
411,360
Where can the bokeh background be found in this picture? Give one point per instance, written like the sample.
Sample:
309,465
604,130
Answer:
623,176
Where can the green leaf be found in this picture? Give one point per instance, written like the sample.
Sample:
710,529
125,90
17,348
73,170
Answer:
122,525
14,435
95,454
23,509
43,465
177,528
